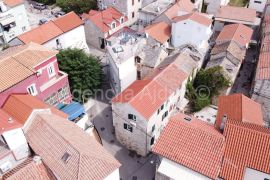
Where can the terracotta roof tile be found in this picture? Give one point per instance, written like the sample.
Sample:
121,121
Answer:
181,5
51,29
68,22
197,17
247,146
12,3
5,124
154,89
21,106
236,13
235,32
160,31
52,138
31,171
238,108
102,19
17,63
193,144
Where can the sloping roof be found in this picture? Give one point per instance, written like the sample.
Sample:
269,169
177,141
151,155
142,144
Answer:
102,19
236,13
263,68
154,89
68,22
197,17
160,31
247,146
240,108
181,5
29,170
51,29
193,144
17,63
56,139
235,32
232,47
21,106
5,124
12,3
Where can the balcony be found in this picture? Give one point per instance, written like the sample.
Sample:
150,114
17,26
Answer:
59,77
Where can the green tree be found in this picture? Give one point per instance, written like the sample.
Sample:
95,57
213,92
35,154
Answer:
206,85
85,72
79,6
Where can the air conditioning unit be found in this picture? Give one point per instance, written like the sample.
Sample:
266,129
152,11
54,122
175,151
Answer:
39,72
5,167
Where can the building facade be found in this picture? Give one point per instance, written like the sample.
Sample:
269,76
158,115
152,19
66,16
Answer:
13,20
33,69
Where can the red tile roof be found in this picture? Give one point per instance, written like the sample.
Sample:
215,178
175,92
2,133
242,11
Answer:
68,22
239,108
235,32
12,3
21,106
154,89
52,29
17,63
29,170
197,17
193,144
236,13
53,137
5,124
102,19
181,5
160,31
247,146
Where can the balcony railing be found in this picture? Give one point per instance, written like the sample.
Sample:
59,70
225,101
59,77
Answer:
60,76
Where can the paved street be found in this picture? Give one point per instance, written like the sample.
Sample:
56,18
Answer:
133,166
245,76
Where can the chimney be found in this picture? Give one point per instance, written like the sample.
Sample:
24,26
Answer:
223,122
10,120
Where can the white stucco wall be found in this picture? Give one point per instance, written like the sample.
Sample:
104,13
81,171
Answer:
122,74
177,171
74,38
252,174
257,4
21,20
113,176
190,32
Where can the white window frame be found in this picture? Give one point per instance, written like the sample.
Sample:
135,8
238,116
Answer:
32,90
51,70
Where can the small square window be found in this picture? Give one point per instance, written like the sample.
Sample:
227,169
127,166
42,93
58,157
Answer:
132,117
128,127
153,128
32,90
66,157
152,140
133,14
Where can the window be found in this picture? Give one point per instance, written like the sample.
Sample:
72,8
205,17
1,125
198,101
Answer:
258,2
122,20
57,42
23,28
51,70
128,127
153,128
133,14
158,111
132,117
162,107
132,2
164,115
66,157
152,140
113,25
32,90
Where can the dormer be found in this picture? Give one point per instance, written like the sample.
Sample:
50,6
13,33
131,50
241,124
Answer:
113,25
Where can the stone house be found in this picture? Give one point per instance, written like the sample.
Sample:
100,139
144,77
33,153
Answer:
99,25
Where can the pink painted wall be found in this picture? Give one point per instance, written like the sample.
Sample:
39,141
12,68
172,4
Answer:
39,81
